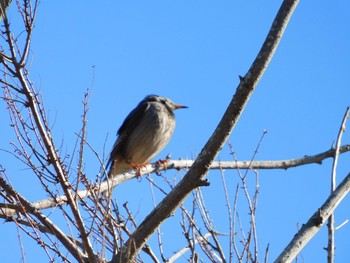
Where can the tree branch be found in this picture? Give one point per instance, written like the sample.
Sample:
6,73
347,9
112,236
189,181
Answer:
315,222
182,251
9,210
331,245
41,125
27,207
196,175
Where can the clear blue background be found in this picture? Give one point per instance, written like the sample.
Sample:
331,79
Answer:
193,52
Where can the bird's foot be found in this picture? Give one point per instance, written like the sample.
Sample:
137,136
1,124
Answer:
163,163
138,168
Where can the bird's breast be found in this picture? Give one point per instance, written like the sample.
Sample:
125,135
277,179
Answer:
151,135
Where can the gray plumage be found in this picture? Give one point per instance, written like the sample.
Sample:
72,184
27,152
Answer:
144,133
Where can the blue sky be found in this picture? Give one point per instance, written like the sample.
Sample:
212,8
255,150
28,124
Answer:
193,53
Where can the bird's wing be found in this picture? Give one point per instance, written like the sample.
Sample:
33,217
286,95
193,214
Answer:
129,124
134,118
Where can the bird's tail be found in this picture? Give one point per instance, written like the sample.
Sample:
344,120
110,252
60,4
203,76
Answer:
116,166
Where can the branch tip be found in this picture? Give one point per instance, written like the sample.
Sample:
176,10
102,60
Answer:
241,79
204,182
318,219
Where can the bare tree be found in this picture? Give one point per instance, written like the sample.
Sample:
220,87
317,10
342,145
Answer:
100,228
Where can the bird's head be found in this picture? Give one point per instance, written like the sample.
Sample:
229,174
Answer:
165,101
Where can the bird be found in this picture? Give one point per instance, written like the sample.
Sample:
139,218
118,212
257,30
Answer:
144,133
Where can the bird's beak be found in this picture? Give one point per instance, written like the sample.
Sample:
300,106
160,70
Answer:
177,106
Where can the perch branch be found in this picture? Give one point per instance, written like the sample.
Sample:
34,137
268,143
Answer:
9,210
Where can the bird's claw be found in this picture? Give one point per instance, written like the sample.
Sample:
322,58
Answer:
163,163
138,168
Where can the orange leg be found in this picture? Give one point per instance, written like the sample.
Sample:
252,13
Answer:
163,163
138,168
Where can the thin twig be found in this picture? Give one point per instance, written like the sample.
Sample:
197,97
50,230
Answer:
266,259
331,245
209,225
234,234
82,140
38,117
229,212
159,234
28,208
182,251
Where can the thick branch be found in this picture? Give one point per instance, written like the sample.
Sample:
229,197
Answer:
196,175
315,223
